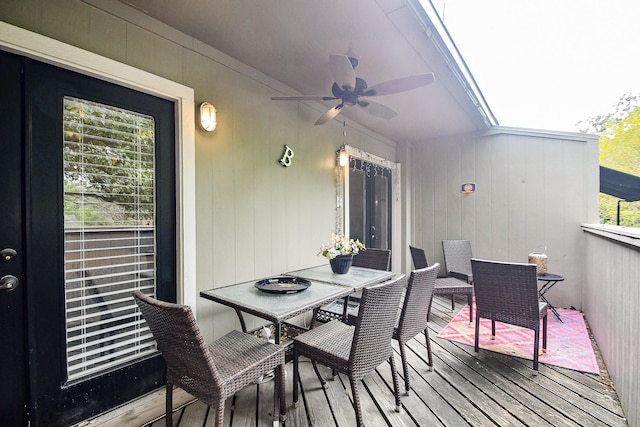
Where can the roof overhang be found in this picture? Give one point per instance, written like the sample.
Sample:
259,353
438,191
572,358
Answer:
619,184
291,40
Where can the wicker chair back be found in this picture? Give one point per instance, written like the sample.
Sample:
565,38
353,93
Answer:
508,292
189,363
374,326
419,258
417,300
378,259
414,314
457,257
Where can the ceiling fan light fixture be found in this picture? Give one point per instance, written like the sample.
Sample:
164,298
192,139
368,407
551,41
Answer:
347,88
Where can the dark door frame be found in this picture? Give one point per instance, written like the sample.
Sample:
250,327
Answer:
33,45
53,400
342,195
13,357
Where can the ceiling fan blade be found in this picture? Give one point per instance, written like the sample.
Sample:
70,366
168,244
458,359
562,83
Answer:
298,98
342,71
377,109
400,85
329,114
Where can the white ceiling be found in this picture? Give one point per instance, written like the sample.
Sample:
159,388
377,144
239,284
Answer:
291,40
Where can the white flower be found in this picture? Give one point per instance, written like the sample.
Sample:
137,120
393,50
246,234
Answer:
340,245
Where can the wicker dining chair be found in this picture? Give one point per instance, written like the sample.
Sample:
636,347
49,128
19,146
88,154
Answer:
457,259
413,316
508,292
357,350
213,372
449,286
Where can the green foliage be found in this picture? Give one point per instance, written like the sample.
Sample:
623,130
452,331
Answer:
108,165
619,149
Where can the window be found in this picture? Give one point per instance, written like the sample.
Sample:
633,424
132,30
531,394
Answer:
110,239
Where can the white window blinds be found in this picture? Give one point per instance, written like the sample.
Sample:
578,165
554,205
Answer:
109,217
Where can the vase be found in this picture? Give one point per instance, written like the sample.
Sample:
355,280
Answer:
341,263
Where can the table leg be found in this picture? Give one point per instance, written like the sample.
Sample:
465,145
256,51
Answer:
345,310
543,291
242,322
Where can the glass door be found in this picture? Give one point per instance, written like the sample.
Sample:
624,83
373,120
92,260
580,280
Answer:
93,207
370,203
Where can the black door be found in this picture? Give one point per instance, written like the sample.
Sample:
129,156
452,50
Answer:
13,388
370,203
70,197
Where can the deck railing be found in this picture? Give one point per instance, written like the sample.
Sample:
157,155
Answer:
611,302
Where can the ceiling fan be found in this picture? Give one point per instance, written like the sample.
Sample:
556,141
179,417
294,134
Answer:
348,89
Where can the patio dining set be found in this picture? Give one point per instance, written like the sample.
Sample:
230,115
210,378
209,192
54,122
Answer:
377,308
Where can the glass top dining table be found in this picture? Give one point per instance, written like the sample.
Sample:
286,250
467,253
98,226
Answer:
355,278
278,307
274,307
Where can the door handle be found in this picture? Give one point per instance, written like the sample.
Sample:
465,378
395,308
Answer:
8,283
7,254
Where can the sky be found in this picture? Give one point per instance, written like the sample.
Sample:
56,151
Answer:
548,64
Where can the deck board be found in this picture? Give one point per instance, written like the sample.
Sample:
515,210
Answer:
464,389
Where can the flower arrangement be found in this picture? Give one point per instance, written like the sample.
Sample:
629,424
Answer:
340,245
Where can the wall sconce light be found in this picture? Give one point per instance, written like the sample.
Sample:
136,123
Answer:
468,188
343,158
208,120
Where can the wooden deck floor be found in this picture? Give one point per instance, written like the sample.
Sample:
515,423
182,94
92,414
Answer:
463,390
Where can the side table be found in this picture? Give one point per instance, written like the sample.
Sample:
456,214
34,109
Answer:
550,280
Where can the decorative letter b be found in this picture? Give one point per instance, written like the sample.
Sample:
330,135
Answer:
286,156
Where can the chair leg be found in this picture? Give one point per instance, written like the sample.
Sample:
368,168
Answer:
396,386
219,408
169,405
453,302
279,392
544,334
476,345
405,368
296,377
356,401
470,302
429,355
493,329
323,382
536,347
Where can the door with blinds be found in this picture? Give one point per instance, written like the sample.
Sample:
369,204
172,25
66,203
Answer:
99,222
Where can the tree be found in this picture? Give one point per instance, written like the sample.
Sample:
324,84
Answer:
619,149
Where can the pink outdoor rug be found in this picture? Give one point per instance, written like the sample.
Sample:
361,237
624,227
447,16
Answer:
568,343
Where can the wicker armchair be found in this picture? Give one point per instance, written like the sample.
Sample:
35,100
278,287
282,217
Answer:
413,316
508,293
377,259
355,351
213,372
450,286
